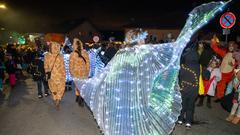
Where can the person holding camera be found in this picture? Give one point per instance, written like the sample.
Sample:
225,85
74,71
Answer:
39,76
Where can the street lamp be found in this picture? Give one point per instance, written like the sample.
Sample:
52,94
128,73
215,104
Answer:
2,6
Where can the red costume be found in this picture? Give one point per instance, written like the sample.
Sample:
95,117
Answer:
227,67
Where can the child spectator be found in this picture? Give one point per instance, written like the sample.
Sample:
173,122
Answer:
211,84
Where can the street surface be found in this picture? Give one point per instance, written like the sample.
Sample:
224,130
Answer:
25,114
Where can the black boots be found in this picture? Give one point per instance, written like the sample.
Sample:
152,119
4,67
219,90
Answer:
209,102
80,101
200,102
218,100
77,98
201,99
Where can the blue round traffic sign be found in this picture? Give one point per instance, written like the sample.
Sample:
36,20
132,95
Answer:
228,20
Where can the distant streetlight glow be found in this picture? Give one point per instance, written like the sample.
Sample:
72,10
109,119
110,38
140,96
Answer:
2,6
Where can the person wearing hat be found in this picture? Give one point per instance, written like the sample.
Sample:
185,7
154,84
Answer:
55,70
227,66
189,83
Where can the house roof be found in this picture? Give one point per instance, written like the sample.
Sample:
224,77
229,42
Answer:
67,26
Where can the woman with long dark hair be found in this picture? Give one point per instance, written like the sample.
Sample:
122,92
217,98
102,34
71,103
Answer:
79,65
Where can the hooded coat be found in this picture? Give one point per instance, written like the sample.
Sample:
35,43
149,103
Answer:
54,63
78,67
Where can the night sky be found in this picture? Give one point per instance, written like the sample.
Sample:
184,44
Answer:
44,15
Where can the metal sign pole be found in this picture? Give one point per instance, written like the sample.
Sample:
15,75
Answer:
226,39
226,32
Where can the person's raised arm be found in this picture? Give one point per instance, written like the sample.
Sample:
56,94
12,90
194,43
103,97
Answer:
216,48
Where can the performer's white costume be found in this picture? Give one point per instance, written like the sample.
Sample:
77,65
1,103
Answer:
137,93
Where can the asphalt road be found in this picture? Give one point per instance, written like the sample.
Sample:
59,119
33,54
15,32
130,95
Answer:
25,114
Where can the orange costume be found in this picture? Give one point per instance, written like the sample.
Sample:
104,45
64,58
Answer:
57,81
78,67
227,67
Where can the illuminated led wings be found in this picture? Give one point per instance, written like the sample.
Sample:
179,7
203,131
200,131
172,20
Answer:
137,93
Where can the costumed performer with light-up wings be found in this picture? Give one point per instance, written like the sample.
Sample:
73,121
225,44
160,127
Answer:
138,93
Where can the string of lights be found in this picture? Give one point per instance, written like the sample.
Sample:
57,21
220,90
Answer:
99,63
193,73
66,63
92,56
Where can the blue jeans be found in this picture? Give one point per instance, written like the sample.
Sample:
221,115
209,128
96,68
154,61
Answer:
41,82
